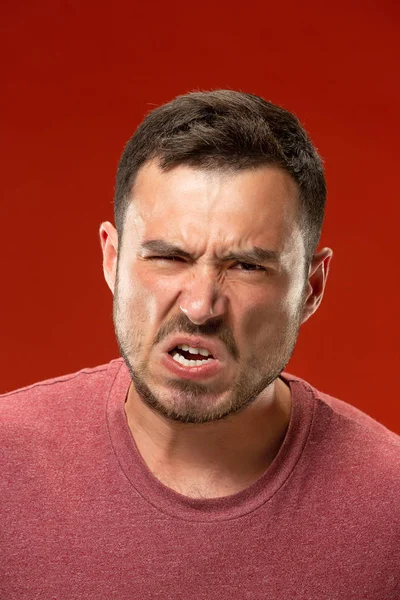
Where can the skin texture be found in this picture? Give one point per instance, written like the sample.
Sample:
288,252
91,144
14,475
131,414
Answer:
211,437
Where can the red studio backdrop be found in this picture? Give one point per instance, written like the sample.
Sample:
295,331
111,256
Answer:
77,78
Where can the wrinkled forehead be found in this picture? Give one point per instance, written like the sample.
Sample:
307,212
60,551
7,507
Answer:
204,207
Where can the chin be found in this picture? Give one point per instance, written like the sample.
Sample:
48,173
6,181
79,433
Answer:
184,402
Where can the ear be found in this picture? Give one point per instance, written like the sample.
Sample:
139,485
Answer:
109,246
317,276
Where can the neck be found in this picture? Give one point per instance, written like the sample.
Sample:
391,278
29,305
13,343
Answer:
213,459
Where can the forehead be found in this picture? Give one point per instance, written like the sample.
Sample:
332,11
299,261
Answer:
214,208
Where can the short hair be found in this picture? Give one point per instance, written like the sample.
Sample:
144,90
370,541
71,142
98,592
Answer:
227,130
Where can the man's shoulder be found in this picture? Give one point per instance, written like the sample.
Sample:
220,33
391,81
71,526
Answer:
57,390
344,412
351,440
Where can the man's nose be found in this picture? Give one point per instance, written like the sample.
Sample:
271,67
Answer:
202,298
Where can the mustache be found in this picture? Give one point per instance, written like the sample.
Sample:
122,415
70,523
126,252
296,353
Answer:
212,328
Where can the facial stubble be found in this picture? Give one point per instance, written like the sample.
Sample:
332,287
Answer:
194,402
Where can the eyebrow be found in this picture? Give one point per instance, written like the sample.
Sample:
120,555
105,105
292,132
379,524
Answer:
251,255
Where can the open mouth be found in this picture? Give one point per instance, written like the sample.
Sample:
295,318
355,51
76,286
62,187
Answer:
191,357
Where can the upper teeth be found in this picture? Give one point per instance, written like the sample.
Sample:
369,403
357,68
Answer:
187,348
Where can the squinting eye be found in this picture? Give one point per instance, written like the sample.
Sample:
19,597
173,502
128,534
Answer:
165,258
249,267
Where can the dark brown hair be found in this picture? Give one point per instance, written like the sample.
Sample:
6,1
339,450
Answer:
227,130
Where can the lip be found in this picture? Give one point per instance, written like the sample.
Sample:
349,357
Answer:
209,369
213,346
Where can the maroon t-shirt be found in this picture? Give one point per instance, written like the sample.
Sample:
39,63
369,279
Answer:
83,517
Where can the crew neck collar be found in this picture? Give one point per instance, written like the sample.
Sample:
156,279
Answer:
183,507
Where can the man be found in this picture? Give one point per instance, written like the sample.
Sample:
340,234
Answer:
195,467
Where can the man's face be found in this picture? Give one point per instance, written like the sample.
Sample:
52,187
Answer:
189,275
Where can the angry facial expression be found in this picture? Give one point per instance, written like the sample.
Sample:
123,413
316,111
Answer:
209,288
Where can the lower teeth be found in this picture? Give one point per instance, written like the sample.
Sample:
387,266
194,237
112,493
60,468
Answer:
189,363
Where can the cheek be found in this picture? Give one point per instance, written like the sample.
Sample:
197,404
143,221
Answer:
133,298
268,313
258,319
147,296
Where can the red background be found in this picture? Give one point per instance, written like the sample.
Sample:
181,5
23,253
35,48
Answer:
77,79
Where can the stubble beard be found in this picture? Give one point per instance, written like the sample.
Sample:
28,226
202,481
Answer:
194,402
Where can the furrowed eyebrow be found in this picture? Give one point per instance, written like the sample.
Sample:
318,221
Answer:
255,255
252,255
163,248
